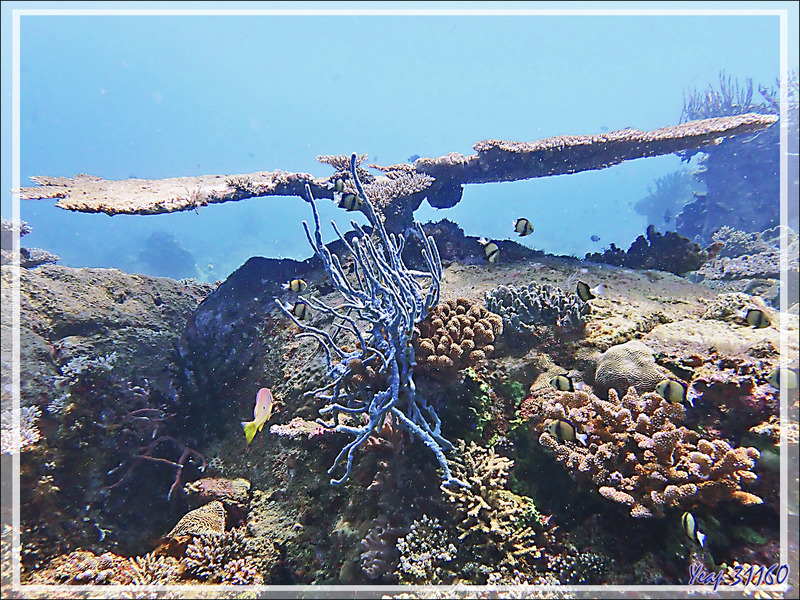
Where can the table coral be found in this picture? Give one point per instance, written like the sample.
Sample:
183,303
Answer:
455,335
639,455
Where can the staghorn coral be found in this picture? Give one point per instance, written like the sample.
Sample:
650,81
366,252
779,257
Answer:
455,335
497,526
222,559
639,455
151,569
628,365
206,520
423,551
536,304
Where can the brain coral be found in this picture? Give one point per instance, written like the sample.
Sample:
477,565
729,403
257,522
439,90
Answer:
455,335
206,520
626,365
638,454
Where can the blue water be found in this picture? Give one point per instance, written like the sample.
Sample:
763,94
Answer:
156,97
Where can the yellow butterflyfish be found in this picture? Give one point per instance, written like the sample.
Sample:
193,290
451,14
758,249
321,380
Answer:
261,414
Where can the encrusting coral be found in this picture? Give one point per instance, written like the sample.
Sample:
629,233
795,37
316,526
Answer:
534,304
638,454
455,335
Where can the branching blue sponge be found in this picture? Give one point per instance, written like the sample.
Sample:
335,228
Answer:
383,300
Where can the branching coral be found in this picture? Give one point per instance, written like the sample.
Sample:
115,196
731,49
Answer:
455,335
639,455
19,440
222,559
423,550
502,526
387,299
536,304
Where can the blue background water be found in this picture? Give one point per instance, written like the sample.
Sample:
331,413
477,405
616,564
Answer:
168,96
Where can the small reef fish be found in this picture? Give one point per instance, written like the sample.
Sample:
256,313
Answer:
675,392
491,249
301,310
351,202
565,431
412,158
787,376
690,528
595,238
586,293
562,383
261,414
336,185
523,227
755,317
297,286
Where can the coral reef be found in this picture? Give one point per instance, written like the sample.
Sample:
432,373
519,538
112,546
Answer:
669,252
740,175
631,364
639,455
751,263
666,199
536,304
455,335
387,297
28,257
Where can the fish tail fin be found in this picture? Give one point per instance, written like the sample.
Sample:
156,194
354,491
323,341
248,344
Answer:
483,241
600,290
286,286
701,537
582,437
250,429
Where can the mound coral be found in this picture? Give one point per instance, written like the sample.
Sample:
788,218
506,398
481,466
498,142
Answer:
536,304
628,365
206,520
638,454
455,335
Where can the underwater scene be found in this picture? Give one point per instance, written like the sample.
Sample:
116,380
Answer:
343,302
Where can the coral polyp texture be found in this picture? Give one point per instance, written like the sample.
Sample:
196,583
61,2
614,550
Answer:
455,335
536,304
206,520
381,305
638,454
